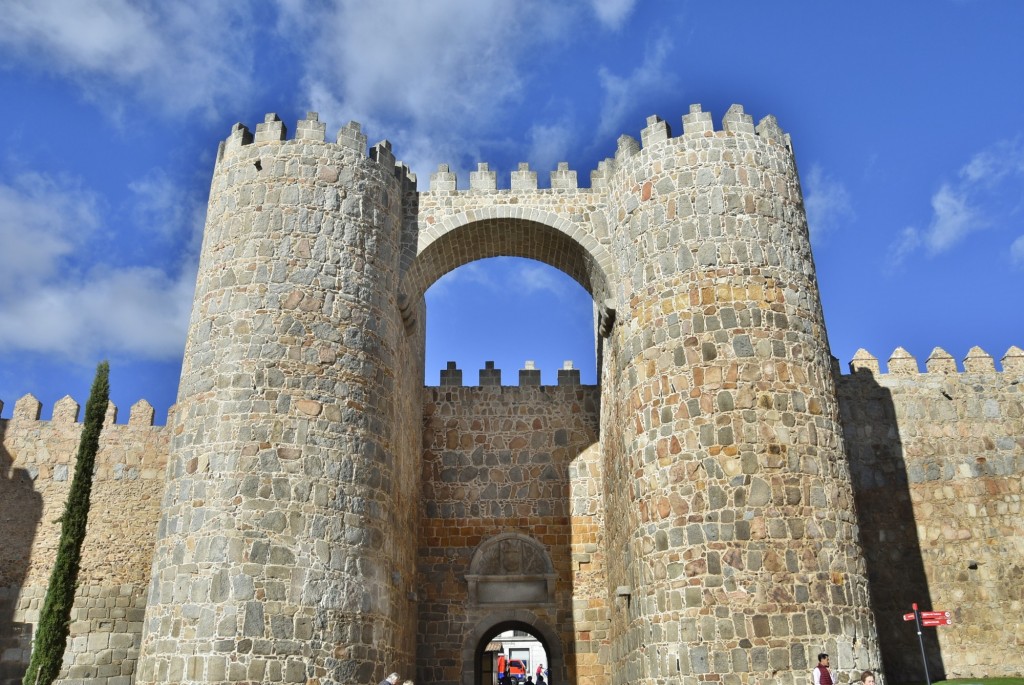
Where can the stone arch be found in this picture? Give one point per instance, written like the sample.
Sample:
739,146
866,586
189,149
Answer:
498,622
511,569
491,556
508,231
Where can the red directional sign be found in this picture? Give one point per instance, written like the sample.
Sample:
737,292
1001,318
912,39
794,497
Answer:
908,617
934,614
930,622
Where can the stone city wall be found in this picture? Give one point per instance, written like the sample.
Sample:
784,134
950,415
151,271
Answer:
511,460
36,467
937,460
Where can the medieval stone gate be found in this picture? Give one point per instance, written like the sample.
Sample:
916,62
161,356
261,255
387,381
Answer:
323,518
326,519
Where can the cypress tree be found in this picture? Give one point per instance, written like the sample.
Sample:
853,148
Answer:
52,633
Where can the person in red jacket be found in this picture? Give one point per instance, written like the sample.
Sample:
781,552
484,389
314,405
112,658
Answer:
821,675
501,668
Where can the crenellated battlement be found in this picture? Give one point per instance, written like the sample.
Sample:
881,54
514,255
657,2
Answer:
529,376
66,410
697,123
939,362
45,449
273,131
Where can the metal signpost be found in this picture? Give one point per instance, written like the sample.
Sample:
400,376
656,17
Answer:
928,619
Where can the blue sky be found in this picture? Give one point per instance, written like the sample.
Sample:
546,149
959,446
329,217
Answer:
907,119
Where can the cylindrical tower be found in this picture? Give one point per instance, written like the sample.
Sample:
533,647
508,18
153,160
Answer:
278,554
730,514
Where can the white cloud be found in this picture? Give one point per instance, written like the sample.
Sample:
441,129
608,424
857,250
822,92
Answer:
176,54
160,207
479,274
623,92
533,277
985,195
549,145
908,241
141,312
47,226
1017,252
433,74
612,13
503,275
111,36
827,202
42,219
992,165
952,219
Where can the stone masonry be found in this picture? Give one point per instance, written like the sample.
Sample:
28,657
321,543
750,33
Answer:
504,459
698,517
938,462
36,465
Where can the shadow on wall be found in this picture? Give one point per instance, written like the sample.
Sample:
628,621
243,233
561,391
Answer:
888,530
21,509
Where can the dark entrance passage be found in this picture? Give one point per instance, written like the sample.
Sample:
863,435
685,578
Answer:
480,662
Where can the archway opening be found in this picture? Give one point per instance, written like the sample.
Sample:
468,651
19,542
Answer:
516,466
510,311
513,652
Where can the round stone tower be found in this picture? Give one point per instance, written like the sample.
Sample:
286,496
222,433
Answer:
276,559
730,517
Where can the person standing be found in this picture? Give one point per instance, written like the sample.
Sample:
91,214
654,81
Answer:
867,678
390,680
822,675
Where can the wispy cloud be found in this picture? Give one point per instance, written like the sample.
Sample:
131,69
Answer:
549,145
952,218
827,202
994,164
1017,252
141,312
432,73
622,92
476,274
42,219
502,275
904,246
48,305
533,277
985,195
161,208
613,13
174,54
